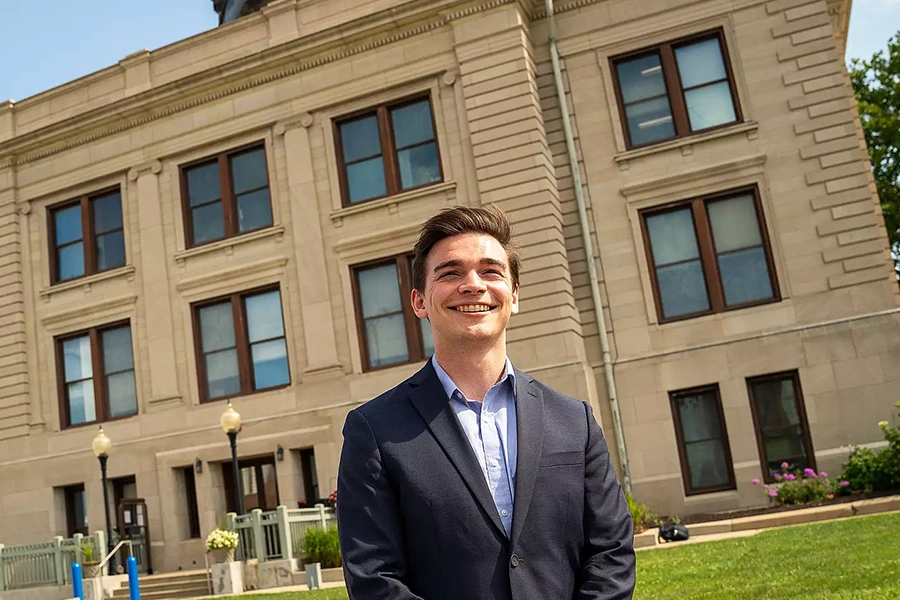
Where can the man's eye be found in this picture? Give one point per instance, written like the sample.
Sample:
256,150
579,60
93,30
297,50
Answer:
446,274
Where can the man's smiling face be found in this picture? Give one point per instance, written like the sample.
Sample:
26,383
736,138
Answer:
469,295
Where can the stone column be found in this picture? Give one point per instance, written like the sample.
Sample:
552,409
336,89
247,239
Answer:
155,282
514,171
290,478
309,251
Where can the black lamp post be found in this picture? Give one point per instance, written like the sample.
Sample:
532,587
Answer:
231,424
101,447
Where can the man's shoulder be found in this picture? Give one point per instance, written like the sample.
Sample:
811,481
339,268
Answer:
550,395
386,405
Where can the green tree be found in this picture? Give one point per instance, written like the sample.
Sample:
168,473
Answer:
876,83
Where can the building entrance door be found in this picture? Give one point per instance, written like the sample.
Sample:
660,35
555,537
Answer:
134,526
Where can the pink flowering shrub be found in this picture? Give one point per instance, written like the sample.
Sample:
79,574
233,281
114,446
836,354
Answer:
802,487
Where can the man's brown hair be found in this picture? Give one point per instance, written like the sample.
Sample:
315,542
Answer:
459,220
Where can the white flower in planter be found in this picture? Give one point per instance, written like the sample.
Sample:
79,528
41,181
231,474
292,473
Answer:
221,539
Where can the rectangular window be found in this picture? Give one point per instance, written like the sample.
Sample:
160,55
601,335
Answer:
87,236
709,255
241,344
226,195
702,440
310,476
675,89
389,331
386,150
779,417
76,510
190,498
96,375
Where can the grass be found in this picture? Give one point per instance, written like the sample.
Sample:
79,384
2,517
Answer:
854,559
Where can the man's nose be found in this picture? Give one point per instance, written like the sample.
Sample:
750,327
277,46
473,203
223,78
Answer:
472,283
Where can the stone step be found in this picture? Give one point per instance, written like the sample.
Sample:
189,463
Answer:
163,584
186,591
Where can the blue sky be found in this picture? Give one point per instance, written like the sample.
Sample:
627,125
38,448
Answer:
45,43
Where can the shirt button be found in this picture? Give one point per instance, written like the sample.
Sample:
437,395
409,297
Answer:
504,513
494,463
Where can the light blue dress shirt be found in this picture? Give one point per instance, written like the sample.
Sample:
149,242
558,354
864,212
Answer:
490,427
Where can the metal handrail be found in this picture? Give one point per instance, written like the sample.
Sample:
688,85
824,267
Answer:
114,550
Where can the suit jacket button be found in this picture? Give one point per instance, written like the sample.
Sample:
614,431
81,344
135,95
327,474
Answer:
514,561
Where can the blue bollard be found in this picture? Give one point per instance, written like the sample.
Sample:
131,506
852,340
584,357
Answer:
77,583
134,590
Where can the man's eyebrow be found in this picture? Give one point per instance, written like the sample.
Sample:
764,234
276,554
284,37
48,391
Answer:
494,262
448,263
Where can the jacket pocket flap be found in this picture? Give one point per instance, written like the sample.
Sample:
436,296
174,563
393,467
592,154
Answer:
562,459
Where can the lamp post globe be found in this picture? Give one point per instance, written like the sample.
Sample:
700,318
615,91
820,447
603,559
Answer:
231,425
102,446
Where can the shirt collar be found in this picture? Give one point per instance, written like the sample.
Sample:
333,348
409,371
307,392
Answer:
451,388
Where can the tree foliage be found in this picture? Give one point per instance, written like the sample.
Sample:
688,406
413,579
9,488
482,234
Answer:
876,83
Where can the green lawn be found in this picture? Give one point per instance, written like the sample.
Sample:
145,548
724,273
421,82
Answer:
855,559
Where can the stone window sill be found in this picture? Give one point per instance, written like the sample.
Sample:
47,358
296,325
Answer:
228,244
86,282
685,144
391,202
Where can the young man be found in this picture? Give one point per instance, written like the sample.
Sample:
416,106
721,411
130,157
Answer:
471,480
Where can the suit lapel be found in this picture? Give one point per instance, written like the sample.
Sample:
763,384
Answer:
430,399
530,441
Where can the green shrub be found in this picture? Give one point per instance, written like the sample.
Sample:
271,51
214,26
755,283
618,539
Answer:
640,514
802,487
322,546
873,471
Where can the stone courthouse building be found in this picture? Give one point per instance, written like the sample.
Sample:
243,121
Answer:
232,216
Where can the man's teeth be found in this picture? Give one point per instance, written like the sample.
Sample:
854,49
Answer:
474,308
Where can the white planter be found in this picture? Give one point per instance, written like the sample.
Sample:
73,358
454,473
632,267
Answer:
313,575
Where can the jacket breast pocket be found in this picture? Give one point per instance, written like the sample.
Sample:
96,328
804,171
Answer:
562,459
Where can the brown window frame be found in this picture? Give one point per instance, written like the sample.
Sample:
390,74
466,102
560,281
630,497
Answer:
388,148
229,199
257,464
69,492
674,90
806,438
414,342
707,253
88,235
101,402
242,342
190,496
689,490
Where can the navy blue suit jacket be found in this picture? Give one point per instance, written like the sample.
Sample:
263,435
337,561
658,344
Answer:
417,520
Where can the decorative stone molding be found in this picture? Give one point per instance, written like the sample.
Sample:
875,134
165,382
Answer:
86,282
270,268
302,120
85,315
383,243
449,77
25,209
228,244
448,188
153,166
664,186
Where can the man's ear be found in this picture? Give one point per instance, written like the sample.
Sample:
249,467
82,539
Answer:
417,300
515,300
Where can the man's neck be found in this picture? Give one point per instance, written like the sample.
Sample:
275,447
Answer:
473,370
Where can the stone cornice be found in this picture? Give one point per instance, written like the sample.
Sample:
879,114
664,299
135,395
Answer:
286,60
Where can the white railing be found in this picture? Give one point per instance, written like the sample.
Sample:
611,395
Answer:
276,534
44,564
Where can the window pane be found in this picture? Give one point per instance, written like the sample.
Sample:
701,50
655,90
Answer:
649,121
110,250
778,415
700,63
641,78
710,106
71,261
787,447
254,210
745,276
208,222
366,180
379,291
107,212
203,183
248,171
360,139
734,223
682,289
217,327
386,340
121,395
68,225
270,365
707,464
222,375
412,124
81,402
419,166
117,350
264,316
427,337
77,358
672,237
699,417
